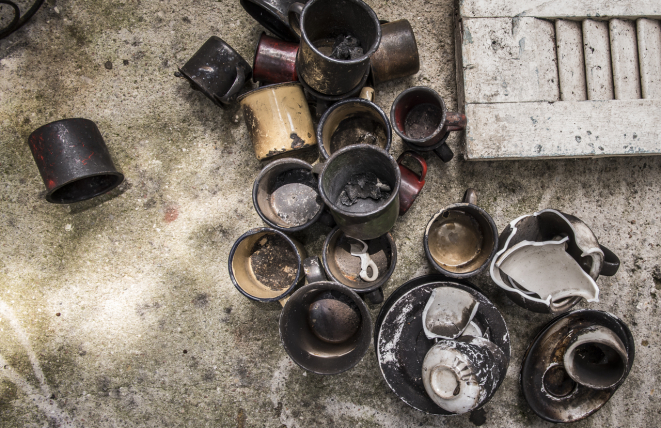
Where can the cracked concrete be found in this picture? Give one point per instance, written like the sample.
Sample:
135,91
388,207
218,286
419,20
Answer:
118,312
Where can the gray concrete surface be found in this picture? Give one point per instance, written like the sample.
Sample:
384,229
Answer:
118,312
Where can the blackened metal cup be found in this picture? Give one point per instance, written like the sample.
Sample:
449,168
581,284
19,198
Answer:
272,14
341,266
73,161
217,71
266,265
324,326
275,61
321,23
353,121
421,119
285,195
412,183
461,239
362,217
397,55
278,119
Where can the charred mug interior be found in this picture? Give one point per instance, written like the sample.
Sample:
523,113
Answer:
346,268
354,122
265,265
364,170
596,358
325,21
419,114
324,328
84,188
460,239
287,195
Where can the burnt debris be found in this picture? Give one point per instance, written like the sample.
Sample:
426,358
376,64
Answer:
347,47
363,186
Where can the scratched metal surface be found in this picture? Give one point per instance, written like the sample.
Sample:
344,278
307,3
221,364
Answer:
118,312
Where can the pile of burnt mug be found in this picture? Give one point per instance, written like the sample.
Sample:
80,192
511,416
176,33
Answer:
441,345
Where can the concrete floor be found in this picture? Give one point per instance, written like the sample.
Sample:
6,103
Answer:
119,312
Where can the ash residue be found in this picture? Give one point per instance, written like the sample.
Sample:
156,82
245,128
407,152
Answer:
423,120
347,47
363,186
274,262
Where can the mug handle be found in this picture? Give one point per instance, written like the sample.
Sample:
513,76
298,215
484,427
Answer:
611,262
236,86
420,160
313,270
375,297
444,152
294,16
367,93
470,197
455,121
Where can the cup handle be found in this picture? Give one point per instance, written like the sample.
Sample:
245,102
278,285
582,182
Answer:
611,262
313,270
367,93
455,121
236,86
444,152
470,197
420,159
375,297
294,15
317,168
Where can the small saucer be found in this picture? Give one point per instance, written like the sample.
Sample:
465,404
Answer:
547,387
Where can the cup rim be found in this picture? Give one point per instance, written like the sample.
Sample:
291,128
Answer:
487,262
255,231
366,322
365,55
322,150
394,192
242,97
423,142
255,187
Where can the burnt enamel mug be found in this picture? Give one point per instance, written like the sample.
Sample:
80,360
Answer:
360,186
73,161
461,239
363,266
275,61
266,265
575,364
353,121
324,326
421,119
285,195
412,182
442,346
273,15
217,71
549,261
278,119
397,55
337,39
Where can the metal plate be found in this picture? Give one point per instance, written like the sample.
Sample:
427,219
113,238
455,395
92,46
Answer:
548,348
401,344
